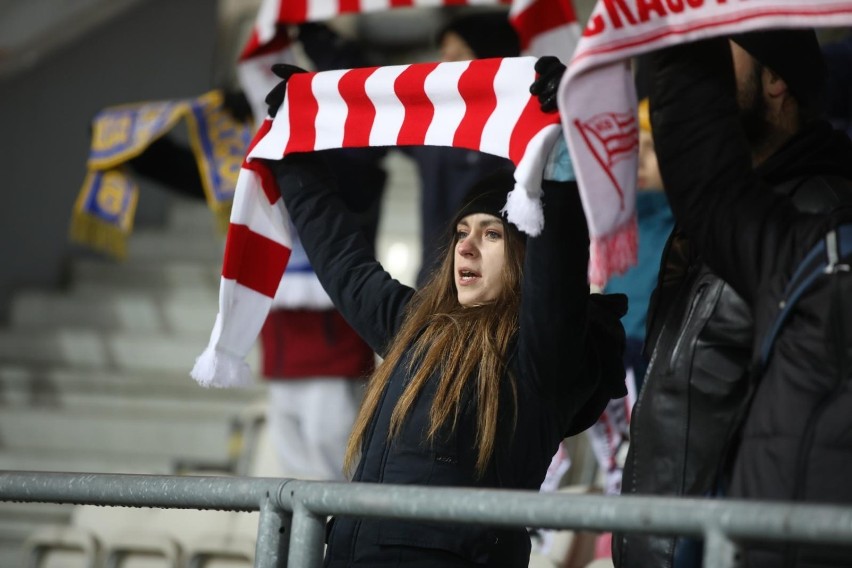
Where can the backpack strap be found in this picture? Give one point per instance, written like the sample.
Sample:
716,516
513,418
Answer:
828,256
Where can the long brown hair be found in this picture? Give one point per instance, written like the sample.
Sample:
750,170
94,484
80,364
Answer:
458,344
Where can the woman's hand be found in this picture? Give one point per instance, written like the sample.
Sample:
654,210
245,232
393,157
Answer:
276,96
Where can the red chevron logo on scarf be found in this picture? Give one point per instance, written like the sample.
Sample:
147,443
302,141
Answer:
611,137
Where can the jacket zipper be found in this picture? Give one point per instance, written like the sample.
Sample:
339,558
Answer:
637,408
653,360
697,300
654,306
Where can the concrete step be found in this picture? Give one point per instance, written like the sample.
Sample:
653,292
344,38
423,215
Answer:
15,515
189,434
31,386
116,294
205,244
132,312
190,216
107,405
19,520
133,275
79,461
10,553
91,349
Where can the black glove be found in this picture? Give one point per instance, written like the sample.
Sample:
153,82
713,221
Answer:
550,71
276,96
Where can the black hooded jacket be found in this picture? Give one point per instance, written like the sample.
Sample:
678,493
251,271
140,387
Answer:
566,359
702,326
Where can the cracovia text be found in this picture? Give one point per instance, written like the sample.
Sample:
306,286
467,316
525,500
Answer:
621,13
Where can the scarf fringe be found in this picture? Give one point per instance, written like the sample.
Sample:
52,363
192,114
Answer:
613,253
217,369
220,369
99,235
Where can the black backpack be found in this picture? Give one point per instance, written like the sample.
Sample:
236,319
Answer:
830,255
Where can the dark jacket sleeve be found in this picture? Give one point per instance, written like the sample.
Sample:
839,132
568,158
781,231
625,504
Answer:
171,164
741,228
566,336
368,297
603,359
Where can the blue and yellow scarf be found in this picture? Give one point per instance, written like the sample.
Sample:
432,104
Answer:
105,208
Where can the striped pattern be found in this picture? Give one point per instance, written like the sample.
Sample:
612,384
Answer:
481,105
545,27
275,12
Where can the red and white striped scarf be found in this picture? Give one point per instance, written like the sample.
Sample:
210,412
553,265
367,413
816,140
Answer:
545,27
481,105
597,98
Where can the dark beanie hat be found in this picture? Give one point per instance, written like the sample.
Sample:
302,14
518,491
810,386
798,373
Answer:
489,34
794,55
488,195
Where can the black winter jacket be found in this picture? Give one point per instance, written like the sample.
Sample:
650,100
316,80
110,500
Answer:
701,331
566,370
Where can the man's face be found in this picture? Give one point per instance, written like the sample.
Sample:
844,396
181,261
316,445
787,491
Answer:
750,96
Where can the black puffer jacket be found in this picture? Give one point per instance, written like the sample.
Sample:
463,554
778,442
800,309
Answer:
701,331
566,370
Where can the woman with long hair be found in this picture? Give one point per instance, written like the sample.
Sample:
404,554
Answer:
486,368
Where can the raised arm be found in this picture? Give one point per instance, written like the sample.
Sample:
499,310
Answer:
555,288
367,296
570,343
739,225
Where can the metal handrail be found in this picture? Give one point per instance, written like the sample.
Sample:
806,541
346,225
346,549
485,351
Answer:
293,512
